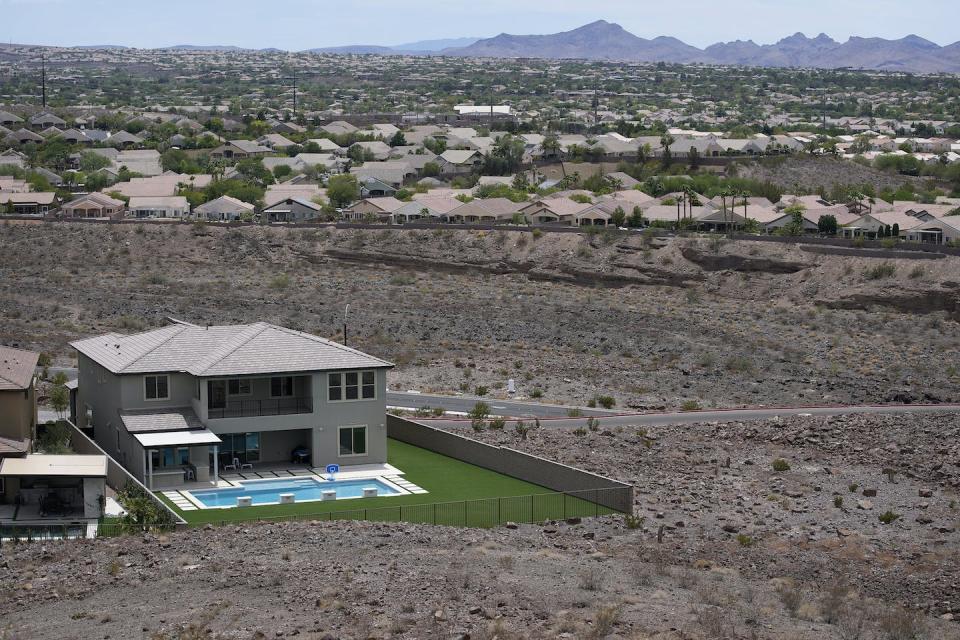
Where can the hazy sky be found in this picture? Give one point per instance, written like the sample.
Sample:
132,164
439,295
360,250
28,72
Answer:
303,24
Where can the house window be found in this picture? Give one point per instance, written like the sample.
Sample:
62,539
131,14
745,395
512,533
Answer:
281,387
353,441
238,387
352,385
156,387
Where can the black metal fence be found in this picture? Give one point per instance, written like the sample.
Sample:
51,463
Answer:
482,513
253,408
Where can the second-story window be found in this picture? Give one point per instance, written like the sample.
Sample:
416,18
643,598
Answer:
352,385
156,387
281,387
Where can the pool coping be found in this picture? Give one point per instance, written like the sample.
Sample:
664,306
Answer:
355,475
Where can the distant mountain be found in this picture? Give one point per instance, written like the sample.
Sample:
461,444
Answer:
213,47
358,49
603,40
435,45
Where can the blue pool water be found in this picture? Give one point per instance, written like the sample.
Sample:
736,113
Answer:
303,489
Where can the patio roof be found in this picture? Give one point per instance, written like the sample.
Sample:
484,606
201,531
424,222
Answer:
177,438
157,420
85,466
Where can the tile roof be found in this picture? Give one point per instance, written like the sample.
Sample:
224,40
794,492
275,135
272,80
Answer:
249,349
166,419
16,368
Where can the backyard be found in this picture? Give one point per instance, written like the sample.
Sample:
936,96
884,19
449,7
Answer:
459,494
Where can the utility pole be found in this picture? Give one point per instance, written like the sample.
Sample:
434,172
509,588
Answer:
596,107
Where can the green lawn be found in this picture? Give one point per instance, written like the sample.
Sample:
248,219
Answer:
459,494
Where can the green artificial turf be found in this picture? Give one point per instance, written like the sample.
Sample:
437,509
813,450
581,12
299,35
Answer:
459,494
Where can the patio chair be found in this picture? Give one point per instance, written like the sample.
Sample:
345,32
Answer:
233,466
246,465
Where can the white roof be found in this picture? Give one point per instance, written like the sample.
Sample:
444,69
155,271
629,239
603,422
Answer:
176,438
245,349
55,465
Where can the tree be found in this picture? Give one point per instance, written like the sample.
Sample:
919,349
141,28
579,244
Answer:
90,162
795,226
59,399
827,225
281,171
895,230
343,189
618,217
694,157
636,218
431,170
398,140
666,140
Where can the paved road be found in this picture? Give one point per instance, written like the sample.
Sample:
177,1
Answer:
463,404
732,415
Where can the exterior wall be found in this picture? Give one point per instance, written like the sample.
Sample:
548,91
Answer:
278,445
94,492
18,414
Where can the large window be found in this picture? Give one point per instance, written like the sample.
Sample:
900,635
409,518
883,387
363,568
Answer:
156,387
238,387
281,387
245,447
352,385
353,441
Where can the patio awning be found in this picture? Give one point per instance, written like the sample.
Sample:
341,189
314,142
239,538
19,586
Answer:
75,466
176,438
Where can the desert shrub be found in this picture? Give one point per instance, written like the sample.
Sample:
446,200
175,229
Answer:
838,502
280,281
536,393
888,517
881,271
888,243
744,540
498,423
780,465
607,402
632,521
917,272
521,429
739,364
901,624
591,579
604,621
690,405
791,597
580,431
482,390
574,413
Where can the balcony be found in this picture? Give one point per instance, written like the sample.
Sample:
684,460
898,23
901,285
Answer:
256,408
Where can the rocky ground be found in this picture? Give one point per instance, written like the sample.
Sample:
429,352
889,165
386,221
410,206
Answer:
800,173
653,323
746,552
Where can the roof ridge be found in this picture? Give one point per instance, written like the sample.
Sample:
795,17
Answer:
241,339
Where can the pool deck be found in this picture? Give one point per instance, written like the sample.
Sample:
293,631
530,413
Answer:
182,497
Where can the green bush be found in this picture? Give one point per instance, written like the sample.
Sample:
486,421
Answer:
882,270
888,516
607,402
498,423
690,405
780,465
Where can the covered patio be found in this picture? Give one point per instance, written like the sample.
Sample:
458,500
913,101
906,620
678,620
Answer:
53,489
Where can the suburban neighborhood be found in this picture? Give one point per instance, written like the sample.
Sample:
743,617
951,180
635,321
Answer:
582,334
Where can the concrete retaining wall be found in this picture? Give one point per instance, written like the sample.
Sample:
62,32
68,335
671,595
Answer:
516,464
117,476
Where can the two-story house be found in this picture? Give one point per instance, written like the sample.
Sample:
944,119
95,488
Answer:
183,402
18,401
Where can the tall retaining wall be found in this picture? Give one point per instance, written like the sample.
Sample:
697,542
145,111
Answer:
516,464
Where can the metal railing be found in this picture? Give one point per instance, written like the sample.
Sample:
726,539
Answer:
254,408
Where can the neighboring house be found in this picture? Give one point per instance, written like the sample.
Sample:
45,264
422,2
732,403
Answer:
18,401
239,150
93,205
371,187
23,136
10,120
378,149
46,120
338,128
30,203
224,208
869,225
67,491
186,400
275,141
381,208
328,146
554,210
158,207
457,161
488,211
292,209
124,140
936,231
14,158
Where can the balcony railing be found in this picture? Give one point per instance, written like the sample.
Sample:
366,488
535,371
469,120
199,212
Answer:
254,408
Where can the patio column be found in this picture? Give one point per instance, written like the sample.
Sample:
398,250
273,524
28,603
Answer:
216,464
146,452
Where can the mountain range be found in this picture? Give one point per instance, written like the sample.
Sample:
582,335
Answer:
602,40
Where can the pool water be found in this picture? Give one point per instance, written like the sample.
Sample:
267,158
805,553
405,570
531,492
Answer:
303,490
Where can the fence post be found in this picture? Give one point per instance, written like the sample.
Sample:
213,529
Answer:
531,508
434,513
596,505
499,517
564,505
464,513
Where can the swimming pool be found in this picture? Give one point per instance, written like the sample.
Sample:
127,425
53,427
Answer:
303,489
